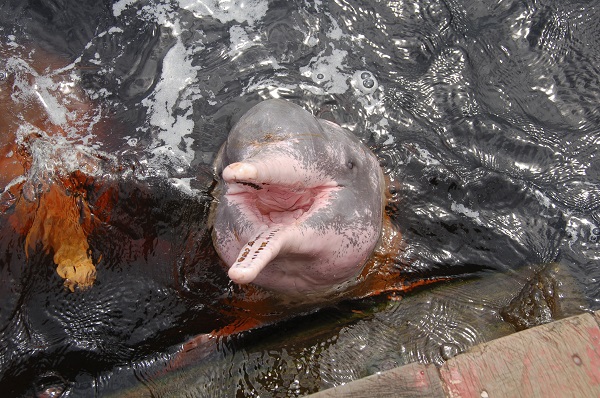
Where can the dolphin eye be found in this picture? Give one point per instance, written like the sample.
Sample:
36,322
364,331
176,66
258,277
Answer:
350,164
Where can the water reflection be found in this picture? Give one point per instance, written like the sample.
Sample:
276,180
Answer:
484,117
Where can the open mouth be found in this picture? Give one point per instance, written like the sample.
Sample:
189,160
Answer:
276,204
275,209
272,197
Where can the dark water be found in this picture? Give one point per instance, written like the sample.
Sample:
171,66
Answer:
484,114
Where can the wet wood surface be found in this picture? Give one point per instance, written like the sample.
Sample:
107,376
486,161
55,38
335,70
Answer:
413,380
559,359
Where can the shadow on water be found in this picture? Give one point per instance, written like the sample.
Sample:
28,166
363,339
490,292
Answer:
484,117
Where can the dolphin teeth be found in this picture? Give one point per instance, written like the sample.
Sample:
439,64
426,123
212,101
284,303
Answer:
256,255
250,184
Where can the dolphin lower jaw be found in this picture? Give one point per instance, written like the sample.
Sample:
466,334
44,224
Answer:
290,240
312,262
275,217
296,258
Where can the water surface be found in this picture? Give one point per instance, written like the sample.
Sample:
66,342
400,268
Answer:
484,117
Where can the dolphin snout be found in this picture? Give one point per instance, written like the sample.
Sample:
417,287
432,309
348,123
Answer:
240,171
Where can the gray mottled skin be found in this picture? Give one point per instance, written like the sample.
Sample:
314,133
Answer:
299,202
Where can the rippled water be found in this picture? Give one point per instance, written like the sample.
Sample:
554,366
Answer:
484,115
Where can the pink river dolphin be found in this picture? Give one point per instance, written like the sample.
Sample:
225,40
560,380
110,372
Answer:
299,202
298,218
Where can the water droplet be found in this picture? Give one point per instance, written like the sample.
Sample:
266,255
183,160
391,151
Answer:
577,359
593,238
596,231
320,76
3,75
365,75
484,394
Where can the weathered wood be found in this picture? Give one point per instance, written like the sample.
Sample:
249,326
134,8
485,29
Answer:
597,317
413,380
560,359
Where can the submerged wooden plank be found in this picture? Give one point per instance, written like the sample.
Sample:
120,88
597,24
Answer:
414,380
560,359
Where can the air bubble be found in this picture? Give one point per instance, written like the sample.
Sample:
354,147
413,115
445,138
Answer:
132,141
369,83
365,82
319,76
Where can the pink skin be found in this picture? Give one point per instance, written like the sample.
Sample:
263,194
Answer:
291,223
